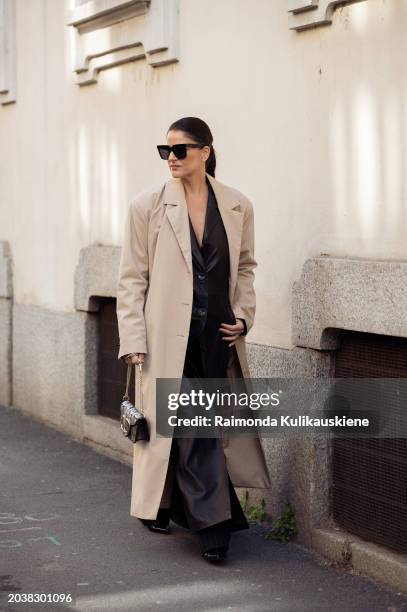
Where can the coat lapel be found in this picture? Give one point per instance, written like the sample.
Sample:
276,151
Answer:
177,213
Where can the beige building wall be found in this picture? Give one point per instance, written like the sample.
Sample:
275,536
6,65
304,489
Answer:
311,125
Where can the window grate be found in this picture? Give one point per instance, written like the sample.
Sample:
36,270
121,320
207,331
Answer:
369,476
111,374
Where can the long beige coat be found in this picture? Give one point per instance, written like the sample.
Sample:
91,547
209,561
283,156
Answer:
154,305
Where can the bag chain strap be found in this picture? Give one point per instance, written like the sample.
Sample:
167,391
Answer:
126,395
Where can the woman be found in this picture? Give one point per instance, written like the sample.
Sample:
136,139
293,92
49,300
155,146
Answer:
185,301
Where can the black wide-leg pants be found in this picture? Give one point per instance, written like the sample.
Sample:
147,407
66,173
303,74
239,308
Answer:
198,493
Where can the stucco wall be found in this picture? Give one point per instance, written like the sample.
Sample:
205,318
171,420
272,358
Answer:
310,125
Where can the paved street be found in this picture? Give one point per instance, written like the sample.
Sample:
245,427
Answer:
65,528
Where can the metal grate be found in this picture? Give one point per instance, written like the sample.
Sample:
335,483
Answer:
111,372
369,476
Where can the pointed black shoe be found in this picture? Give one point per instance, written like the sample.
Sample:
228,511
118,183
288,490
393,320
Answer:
161,524
156,526
215,555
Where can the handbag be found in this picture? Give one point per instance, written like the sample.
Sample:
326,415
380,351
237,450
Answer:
133,423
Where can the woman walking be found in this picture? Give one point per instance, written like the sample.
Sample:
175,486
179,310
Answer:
185,301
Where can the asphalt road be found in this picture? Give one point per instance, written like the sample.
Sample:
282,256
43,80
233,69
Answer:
65,528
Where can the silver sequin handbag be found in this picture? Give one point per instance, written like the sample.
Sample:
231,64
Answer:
133,423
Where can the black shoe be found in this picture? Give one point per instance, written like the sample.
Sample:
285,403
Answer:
157,526
214,555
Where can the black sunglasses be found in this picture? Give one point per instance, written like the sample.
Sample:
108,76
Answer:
179,150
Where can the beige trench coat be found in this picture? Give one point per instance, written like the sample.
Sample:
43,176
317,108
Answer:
154,306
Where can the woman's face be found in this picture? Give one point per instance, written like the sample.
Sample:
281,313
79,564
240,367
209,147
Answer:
193,163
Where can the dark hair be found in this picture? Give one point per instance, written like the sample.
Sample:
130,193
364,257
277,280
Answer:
199,131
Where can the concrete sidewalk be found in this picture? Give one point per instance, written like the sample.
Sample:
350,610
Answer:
65,528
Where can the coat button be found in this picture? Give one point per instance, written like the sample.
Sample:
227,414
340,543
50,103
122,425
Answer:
202,312
201,276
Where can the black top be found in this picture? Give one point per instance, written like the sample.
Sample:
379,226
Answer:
210,271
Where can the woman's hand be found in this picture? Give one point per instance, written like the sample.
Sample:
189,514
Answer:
232,331
135,358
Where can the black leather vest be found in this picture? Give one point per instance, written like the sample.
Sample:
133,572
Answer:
210,272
